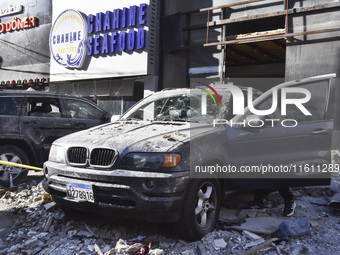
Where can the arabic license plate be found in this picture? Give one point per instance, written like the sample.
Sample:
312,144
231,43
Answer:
79,192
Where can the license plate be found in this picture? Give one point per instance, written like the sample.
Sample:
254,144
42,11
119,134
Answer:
79,192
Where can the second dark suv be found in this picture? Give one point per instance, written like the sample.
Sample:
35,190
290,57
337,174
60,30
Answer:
31,120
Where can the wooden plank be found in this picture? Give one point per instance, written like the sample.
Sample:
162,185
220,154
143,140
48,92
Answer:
265,15
264,37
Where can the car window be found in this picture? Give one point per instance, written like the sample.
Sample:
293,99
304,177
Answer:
43,107
10,106
276,115
82,110
194,105
316,105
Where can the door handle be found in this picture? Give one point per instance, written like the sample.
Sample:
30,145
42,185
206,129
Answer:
80,125
320,131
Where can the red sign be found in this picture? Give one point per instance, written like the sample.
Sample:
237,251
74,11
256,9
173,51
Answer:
18,24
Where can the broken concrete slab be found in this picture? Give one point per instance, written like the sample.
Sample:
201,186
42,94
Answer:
335,184
264,225
229,217
254,243
335,202
252,213
220,244
251,235
50,206
295,228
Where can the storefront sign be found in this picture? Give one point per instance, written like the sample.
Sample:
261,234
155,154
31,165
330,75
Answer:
11,10
97,41
117,40
67,39
18,24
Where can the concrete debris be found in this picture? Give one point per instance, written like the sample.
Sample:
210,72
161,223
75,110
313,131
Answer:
334,203
220,244
252,213
50,206
98,250
47,224
134,248
263,225
254,243
296,250
295,228
156,252
230,217
7,195
260,247
251,235
170,138
41,228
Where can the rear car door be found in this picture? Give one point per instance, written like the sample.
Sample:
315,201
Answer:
300,143
42,122
10,108
83,114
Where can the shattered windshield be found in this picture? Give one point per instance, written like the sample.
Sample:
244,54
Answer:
185,105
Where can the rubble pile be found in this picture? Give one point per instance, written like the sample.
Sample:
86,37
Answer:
40,227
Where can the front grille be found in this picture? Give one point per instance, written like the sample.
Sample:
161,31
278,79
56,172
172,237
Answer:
77,155
103,157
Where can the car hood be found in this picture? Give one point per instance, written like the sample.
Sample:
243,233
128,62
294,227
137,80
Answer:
142,136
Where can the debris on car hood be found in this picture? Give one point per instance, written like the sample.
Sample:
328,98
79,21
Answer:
160,135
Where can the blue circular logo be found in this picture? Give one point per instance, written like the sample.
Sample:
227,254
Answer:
67,39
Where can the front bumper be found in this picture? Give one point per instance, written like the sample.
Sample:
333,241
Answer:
121,192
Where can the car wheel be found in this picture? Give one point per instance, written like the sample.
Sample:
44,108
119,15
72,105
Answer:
12,154
201,209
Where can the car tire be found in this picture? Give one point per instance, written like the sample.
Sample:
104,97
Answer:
12,154
201,209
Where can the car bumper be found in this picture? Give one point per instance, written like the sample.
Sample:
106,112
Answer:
121,192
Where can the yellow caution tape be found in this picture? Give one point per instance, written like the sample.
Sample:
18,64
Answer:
20,165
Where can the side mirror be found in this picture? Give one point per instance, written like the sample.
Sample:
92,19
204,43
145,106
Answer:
106,117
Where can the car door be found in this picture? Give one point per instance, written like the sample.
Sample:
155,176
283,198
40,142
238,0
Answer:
10,107
296,149
83,114
42,122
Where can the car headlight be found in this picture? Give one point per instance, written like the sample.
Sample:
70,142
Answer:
57,154
150,161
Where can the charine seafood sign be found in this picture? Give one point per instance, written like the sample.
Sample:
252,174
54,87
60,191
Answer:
74,35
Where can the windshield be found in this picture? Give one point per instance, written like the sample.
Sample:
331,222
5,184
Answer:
184,105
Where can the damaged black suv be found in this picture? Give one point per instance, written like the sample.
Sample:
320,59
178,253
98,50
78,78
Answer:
172,156
31,120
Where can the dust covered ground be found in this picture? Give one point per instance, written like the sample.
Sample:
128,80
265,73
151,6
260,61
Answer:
32,224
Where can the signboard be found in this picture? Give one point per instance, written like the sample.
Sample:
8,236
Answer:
67,39
90,41
12,9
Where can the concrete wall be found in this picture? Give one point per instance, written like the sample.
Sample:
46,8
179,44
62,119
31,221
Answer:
179,65
316,54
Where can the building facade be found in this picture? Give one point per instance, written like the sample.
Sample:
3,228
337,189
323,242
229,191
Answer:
24,49
117,52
